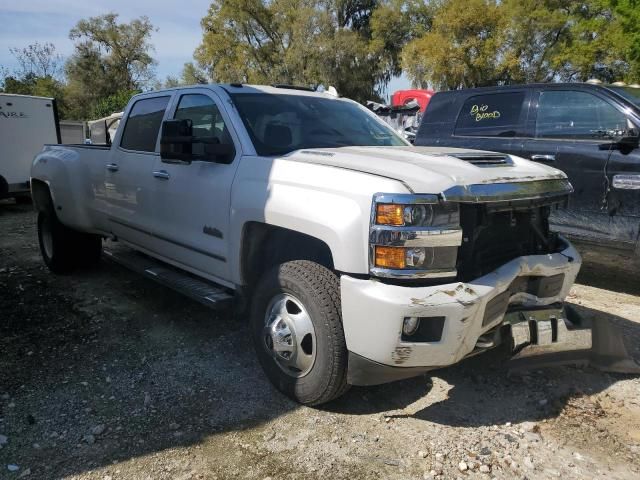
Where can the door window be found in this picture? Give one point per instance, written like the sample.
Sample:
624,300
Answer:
577,115
206,119
492,115
143,124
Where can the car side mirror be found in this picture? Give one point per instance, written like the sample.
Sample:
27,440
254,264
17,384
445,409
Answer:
630,140
177,140
627,141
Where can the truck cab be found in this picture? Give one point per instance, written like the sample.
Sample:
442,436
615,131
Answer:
590,132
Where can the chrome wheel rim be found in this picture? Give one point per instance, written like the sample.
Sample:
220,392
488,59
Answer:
47,239
289,336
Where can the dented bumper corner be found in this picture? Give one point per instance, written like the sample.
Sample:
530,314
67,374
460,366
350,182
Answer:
459,317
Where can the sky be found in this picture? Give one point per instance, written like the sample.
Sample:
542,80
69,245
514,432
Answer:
178,27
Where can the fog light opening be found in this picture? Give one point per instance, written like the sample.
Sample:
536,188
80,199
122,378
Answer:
410,326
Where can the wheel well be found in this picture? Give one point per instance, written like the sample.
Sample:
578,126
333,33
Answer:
41,195
264,246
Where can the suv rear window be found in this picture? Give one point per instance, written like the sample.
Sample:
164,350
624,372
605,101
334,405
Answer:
143,124
491,115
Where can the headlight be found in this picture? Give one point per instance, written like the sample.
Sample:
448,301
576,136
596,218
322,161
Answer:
419,215
415,258
414,236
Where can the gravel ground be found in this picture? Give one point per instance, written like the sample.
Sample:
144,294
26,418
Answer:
105,375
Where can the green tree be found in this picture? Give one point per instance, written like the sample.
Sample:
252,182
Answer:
38,73
487,42
191,75
109,58
38,60
394,23
592,44
463,47
628,15
302,42
113,103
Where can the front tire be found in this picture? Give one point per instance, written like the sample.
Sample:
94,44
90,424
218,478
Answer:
64,249
297,331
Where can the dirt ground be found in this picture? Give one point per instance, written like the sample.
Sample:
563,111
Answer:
105,375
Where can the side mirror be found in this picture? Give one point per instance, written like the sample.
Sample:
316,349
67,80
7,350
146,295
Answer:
630,140
177,140
627,141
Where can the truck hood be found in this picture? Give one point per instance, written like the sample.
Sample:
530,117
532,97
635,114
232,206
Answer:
430,169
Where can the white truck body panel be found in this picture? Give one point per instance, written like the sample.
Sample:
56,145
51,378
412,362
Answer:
26,125
426,169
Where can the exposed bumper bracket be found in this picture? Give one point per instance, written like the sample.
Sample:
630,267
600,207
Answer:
597,343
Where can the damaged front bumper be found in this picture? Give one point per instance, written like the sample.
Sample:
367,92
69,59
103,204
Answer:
456,320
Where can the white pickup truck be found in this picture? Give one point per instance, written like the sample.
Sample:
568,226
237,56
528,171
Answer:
361,259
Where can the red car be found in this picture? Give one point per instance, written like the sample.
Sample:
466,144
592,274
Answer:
402,97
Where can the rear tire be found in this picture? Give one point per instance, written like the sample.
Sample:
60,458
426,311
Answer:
64,249
296,307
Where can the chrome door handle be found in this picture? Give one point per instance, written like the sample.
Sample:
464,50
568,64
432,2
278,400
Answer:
626,182
112,167
543,158
162,174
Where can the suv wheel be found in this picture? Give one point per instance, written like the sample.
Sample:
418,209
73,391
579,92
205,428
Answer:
297,331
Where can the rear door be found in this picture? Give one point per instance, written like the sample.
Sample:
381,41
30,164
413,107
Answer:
485,121
572,131
129,172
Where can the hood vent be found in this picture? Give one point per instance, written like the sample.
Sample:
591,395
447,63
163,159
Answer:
485,159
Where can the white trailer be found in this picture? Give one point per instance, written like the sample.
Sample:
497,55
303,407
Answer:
26,124
72,132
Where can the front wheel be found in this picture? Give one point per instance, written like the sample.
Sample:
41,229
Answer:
297,331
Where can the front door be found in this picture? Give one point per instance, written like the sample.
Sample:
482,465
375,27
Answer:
573,132
191,201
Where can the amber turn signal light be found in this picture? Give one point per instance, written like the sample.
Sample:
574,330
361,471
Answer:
389,214
390,257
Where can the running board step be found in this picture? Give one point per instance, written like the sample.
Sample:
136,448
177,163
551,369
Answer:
208,294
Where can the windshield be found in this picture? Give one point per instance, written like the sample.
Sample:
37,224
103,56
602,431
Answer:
630,93
279,124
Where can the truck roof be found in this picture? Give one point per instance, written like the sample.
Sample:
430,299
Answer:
576,85
238,88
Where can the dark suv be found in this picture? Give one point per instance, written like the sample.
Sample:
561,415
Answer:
588,131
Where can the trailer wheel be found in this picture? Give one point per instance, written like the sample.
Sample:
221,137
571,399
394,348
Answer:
64,249
297,331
